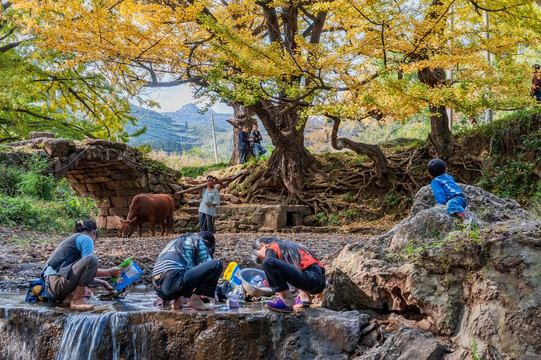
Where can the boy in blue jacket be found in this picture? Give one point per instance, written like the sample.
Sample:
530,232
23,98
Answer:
445,190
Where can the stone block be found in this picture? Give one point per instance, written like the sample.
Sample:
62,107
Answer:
94,187
80,188
118,201
104,193
98,179
118,211
58,147
128,192
41,134
101,221
113,222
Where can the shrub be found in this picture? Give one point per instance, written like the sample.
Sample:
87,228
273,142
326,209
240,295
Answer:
9,179
31,200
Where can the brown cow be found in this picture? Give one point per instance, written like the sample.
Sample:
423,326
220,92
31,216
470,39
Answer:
151,208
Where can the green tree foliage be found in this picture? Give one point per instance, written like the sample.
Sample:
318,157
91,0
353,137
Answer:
39,90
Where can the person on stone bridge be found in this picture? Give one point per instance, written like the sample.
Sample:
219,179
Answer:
185,268
72,267
288,262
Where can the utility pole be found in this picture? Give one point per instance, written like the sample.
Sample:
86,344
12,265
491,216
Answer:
488,112
214,139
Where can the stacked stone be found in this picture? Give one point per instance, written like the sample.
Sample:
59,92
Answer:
108,172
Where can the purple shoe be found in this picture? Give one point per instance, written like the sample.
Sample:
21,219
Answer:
278,305
301,304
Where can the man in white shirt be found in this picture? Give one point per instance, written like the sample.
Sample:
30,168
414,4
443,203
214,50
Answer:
210,199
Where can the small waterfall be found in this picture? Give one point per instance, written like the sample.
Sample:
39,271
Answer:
111,336
82,335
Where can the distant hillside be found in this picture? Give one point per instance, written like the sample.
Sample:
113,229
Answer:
182,130
187,128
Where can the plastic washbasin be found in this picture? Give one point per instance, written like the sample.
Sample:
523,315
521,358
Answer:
254,291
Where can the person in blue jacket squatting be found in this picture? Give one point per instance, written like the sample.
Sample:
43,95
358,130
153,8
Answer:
72,267
185,268
445,189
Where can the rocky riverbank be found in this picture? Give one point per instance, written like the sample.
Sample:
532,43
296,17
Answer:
23,253
430,288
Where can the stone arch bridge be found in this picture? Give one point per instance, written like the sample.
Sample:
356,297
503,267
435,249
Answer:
108,172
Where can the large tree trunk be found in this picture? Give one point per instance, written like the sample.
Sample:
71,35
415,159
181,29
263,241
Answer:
241,116
290,162
440,135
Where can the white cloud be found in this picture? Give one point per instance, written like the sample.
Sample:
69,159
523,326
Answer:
172,99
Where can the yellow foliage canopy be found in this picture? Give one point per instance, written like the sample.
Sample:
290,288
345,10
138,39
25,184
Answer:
342,58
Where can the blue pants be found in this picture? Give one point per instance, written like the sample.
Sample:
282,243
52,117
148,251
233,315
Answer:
456,205
258,149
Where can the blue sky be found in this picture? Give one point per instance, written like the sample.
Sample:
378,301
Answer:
172,99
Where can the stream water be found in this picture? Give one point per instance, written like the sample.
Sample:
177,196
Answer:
120,328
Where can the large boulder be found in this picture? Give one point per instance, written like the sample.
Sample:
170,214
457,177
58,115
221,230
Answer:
479,285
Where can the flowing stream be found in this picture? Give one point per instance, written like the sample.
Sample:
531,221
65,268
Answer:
113,330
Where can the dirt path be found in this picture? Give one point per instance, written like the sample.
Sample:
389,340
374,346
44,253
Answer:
23,254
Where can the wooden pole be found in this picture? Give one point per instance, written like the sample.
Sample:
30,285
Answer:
214,139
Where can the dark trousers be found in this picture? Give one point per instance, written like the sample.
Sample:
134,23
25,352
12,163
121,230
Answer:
537,95
200,280
206,222
243,155
82,274
279,273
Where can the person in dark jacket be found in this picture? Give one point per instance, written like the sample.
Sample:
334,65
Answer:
244,144
257,148
284,263
536,82
185,268
72,267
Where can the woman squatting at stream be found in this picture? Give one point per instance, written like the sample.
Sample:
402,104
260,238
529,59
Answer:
185,268
288,262
72,267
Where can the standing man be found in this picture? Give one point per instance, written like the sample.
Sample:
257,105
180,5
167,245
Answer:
536,82
210,198
256,145
244,144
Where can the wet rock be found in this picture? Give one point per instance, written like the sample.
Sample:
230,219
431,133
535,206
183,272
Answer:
49,334
407,344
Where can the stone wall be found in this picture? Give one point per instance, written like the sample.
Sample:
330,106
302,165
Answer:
108,172
253,218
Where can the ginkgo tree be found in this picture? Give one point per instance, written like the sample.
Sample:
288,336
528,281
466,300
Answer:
285,60
37,94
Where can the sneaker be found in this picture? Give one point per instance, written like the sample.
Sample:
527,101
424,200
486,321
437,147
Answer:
278,305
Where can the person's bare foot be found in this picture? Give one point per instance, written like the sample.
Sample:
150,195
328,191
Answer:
80,304
177,303
196,303
67,299
305,297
